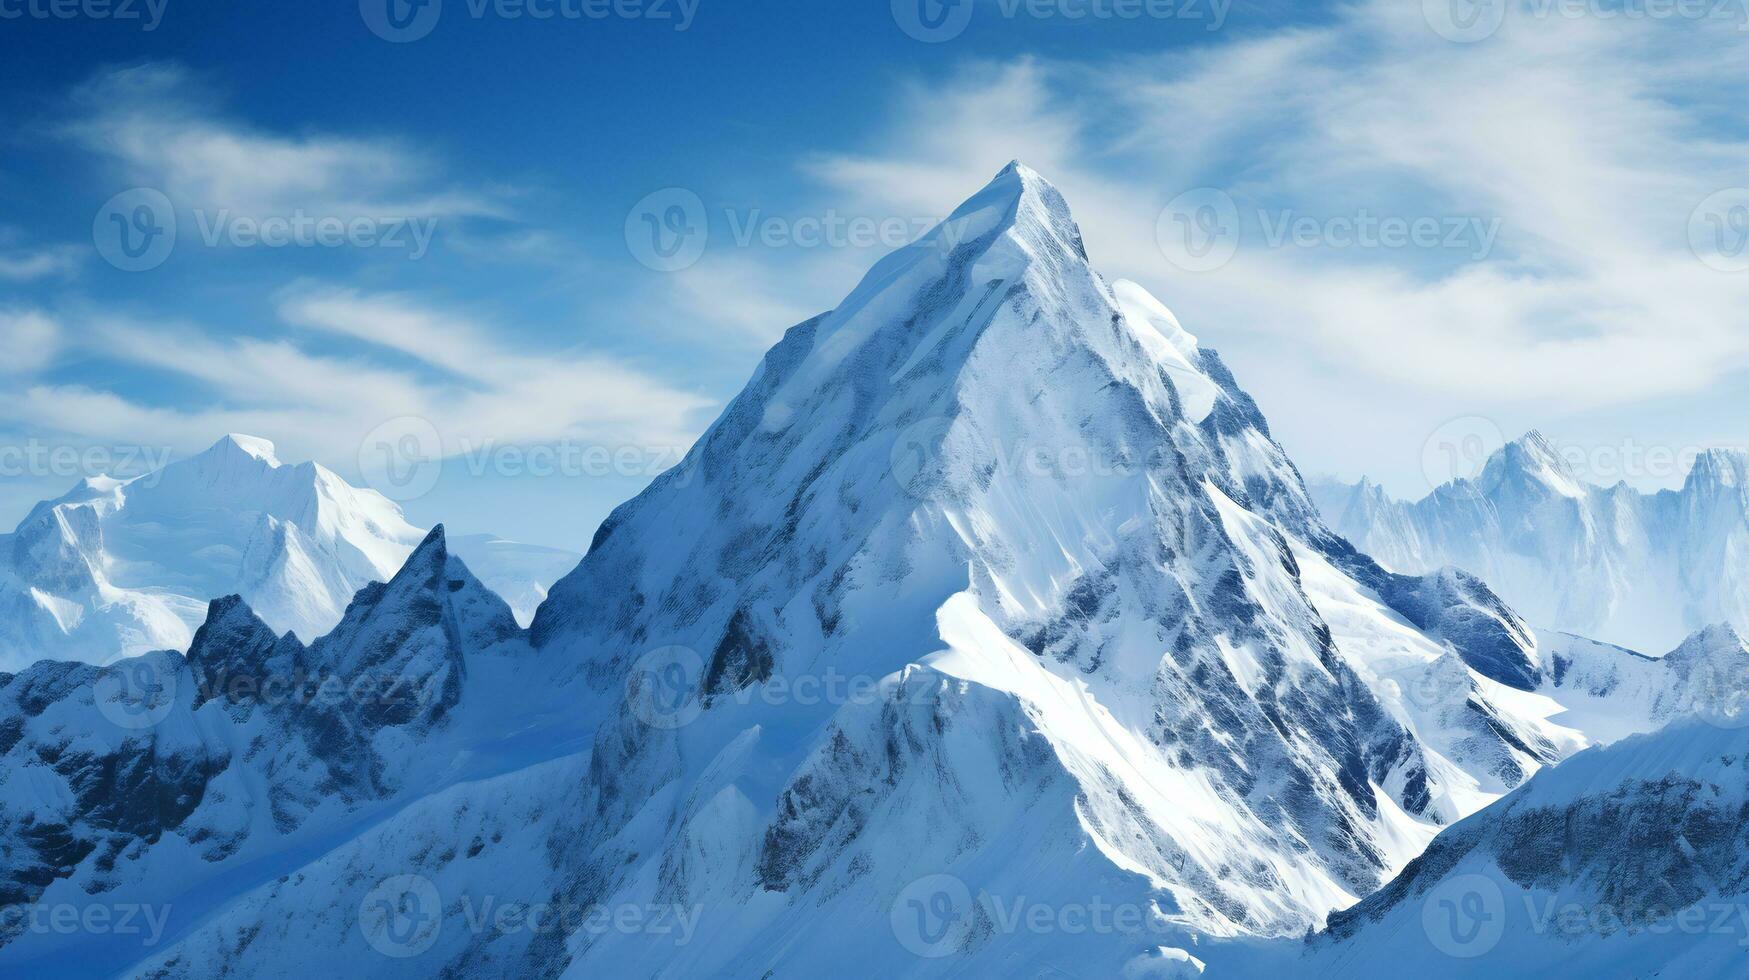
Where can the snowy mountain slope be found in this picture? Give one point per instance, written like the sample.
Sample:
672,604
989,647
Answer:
172,781
989,596
1629,861
120,568
1635,569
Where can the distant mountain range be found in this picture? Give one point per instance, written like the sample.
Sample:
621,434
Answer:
117,568
1641,570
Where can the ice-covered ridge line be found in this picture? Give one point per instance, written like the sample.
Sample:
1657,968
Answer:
1636,569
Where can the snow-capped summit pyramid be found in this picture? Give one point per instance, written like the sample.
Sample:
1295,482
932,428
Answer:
1642,570
1084,590
116,568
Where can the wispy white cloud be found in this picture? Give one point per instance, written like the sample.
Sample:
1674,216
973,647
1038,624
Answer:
476,391
30,338
31,264
160,127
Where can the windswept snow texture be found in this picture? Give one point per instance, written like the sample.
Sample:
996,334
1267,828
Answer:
986,633
1640,570
119,568
1627,862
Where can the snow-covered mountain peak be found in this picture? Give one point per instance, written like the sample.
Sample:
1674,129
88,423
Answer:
236,443
434,592
1531,463
1720,469
992,473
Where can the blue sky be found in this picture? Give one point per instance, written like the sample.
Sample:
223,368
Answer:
1576,176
